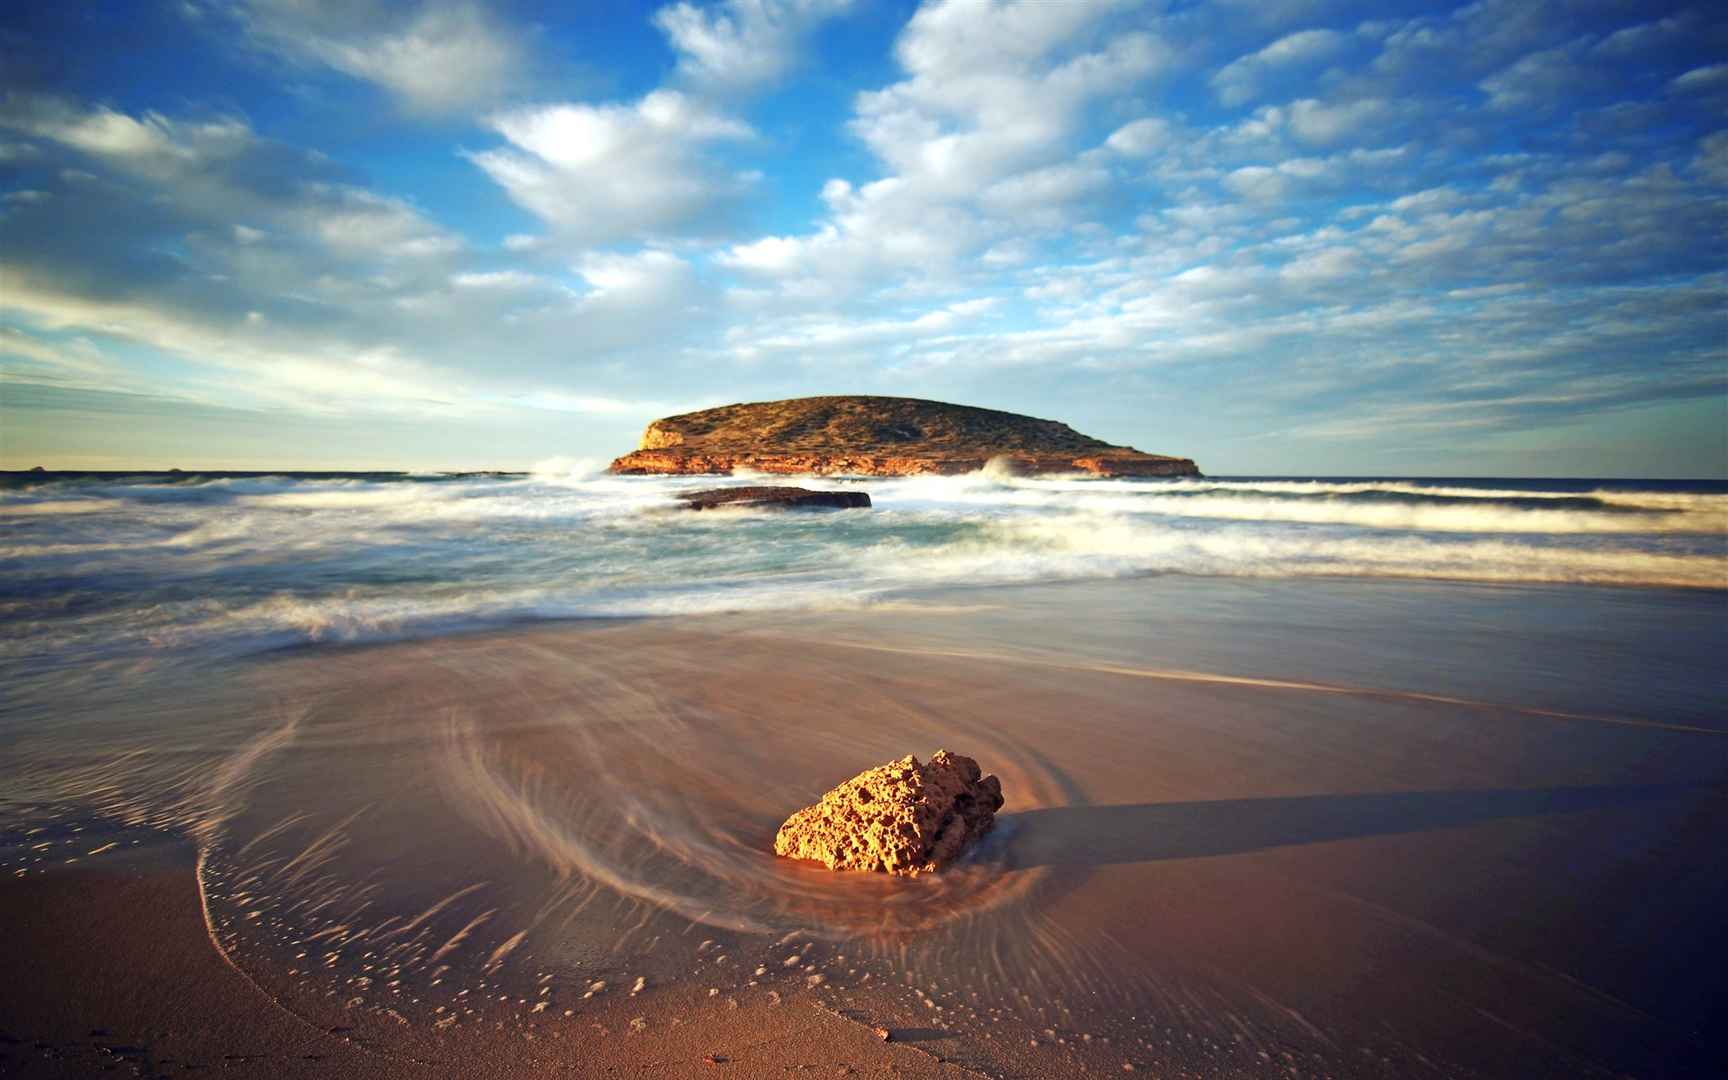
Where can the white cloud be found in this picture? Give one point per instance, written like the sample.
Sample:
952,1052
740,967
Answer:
978,141
1051,187
433,56
1712,159
1539,81
496,279
1140,138
1323,124
740,45
769,255
603,173
826,335
1701,80
269,283
1327,265
1267,183
359,222
220,170
647,277
304,375
36,358
1030,198
1644,36
1244,79
990,92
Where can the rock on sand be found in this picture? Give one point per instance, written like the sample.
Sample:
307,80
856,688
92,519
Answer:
900,818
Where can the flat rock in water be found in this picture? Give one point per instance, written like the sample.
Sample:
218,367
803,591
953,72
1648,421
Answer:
900,818
758,498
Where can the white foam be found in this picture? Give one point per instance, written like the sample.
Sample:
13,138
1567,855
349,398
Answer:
15,507
564,470
275,561
1090,544
1700,514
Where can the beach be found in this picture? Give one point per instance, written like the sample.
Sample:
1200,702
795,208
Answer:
1255,826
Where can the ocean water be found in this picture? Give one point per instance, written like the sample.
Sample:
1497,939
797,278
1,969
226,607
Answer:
104,570
1361,776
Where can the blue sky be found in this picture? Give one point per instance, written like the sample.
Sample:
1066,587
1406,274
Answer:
1278,236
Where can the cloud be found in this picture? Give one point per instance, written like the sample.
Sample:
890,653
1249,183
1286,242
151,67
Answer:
305,375
602,174
1712,159
1497,214
433,56
738,46
976,143
995,89
76,362
1325,124
253,271
1541,80
1140,138
599,174
655,278
1245,79
1329,264
1709,79
220,170
818,335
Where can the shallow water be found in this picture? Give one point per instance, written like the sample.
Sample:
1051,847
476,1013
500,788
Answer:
1348,823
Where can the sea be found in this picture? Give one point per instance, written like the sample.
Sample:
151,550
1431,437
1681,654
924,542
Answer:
99,569
1356,773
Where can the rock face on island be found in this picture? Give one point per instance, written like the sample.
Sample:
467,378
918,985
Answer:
773,498
879,436
900,818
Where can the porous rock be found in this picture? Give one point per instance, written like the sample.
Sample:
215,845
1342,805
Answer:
901,818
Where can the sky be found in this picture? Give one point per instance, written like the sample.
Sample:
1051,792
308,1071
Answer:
1276,236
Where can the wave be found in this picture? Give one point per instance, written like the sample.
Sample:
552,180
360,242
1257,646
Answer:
839,576
1412,507
269,561
1096,545
1703,502
1420,517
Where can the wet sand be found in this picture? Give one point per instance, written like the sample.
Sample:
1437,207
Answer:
1254,829
115,974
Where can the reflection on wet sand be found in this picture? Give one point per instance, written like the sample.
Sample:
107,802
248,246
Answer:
1203,873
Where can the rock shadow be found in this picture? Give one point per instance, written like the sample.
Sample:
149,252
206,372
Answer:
1147,832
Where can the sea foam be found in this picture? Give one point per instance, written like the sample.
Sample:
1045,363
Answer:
150,567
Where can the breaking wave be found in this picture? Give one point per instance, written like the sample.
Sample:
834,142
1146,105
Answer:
99,569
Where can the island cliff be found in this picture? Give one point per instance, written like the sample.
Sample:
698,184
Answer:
878,436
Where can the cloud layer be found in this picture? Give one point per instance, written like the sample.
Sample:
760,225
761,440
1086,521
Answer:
1303,235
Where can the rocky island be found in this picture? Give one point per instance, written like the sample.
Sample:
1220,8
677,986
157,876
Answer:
878,436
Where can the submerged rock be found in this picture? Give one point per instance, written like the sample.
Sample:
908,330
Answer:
773,498
900,818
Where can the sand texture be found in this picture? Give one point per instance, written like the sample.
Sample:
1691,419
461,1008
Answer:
111,973
1254,829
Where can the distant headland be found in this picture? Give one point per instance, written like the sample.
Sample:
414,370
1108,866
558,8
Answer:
879,436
